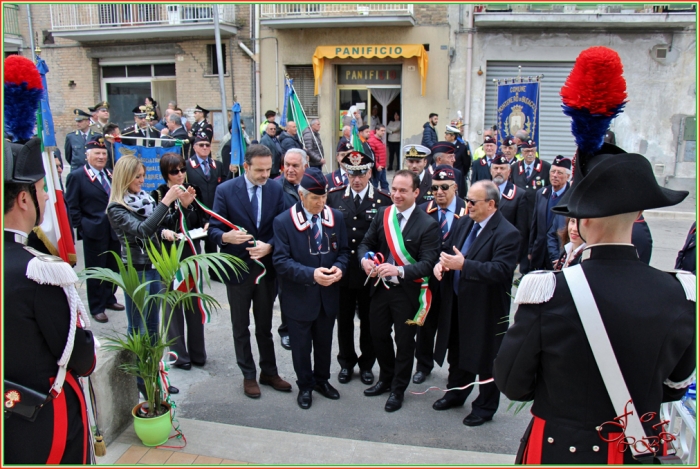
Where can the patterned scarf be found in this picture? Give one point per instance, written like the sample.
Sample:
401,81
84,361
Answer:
141,203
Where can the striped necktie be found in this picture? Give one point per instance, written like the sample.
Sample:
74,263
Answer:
443,223
315,231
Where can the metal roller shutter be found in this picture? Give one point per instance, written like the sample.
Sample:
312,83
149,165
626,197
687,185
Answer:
555,127
303,76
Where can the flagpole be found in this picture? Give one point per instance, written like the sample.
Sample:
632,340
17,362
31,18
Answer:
307,119
220,62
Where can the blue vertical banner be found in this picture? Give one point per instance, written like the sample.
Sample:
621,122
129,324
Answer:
150,158
48,135
238,146
519,107
285,108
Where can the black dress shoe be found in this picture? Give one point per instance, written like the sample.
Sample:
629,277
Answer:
447,403
420,377
394,402
367,376
116,307
284,340
173,390
345,375
326,390
380,388
472,420
304,399
198,363
184,366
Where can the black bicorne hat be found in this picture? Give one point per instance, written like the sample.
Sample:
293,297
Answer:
22,162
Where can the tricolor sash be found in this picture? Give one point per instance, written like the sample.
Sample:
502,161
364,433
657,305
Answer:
394,237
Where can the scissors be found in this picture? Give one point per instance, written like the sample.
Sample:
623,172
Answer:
377,259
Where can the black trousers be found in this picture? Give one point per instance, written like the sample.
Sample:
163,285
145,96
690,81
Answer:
486,403
350,299
283,329
100,294
425,338
262,296
305,336
392,308
394,149
188,346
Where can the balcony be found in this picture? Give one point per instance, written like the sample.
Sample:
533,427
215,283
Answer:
316,15
112,21
628,16
12,36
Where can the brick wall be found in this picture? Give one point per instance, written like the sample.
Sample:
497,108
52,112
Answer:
430,13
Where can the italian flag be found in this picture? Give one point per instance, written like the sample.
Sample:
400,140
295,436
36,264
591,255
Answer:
55,231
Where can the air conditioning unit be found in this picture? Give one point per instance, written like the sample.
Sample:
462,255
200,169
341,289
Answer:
173,14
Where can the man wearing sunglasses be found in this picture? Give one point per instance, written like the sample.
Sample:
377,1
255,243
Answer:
310,256
444,153
359,202
481,170
445,209
513,204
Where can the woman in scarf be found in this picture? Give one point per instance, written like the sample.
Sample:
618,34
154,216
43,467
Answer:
573,245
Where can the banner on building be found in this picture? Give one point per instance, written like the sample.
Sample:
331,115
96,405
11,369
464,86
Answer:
518,107
150,158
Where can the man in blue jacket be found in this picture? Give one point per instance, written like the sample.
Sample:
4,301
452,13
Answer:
430,134
311,256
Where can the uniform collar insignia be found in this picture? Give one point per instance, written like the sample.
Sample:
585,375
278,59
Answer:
484,161
538,166
193,162
431,170
300,221
432,207
90,173
509,191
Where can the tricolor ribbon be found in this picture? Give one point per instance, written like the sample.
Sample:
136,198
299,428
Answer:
377,259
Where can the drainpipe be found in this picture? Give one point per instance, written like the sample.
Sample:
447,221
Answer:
220,62
258,111
468,87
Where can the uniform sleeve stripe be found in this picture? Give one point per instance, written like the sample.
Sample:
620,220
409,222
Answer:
682,384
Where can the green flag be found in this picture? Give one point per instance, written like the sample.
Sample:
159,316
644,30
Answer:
296,113
356,142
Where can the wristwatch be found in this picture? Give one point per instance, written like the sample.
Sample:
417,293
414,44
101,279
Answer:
400,269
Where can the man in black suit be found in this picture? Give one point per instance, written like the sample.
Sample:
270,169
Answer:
481,169
444,154
445,209
311,256
201,126
339,177
175,131
250,203
359,203
141,129
463,154
476,273
406,241
205,173
74,147
512,205
417,162
87,193
540,257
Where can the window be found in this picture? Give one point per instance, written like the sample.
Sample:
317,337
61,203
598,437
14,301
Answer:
122,71
212,62
303,76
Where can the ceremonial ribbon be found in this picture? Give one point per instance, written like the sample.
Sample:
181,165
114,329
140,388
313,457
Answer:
402,257
197,284
166,395
377,259
486,381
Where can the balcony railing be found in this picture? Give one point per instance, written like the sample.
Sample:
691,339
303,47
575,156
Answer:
90,16
299,10
10,19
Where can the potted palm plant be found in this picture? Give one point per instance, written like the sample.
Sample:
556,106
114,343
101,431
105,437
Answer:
152,418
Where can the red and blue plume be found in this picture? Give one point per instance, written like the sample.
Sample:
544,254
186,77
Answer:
23,90
593,95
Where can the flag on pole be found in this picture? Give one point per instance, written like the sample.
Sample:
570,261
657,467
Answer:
356,142
48,135
292,109
238,145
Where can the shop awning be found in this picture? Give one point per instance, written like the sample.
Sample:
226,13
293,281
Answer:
379,51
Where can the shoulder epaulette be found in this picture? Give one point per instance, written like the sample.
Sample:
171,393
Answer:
336,189
47,269
688,282
536,287
384,193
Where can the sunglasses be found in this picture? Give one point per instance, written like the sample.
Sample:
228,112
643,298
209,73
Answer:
175,172
473,202
203,145
444,187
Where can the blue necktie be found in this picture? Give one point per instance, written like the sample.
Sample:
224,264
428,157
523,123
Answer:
254,204
105,184
205,168
551,203
316,232
465,247
527,171
443,224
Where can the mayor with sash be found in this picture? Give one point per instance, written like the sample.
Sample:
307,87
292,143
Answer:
398,253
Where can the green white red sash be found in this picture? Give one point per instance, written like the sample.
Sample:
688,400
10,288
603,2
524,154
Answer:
394,237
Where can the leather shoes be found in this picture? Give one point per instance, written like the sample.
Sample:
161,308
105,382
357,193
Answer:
472,420
446,403
173,390
327,391
116,307
284,340
380,388
251,388
304,399
394,402
101,317
277,383
345,375
184,366
420,377
198,363
367,376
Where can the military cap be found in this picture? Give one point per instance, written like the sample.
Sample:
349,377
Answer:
100,105
415,151
139,111
443,147
529,143
80,115
201,109
452,130
489,139
314,181
95,143
357,163
202,137
509,141
500,159
444,172
562,162
22,162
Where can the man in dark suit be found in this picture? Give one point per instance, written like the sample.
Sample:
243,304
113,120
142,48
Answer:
481,169
463,154
476,273
251,204
74,147
201,126
359,204
406,241
512,205
205,173
445,209
175,131
444,154
417,162
87,193
539,255
339,177
311,256
140,129
269,139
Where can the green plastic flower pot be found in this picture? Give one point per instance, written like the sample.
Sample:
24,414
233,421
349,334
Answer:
152,431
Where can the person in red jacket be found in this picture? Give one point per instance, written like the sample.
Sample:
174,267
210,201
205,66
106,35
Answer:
379,150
